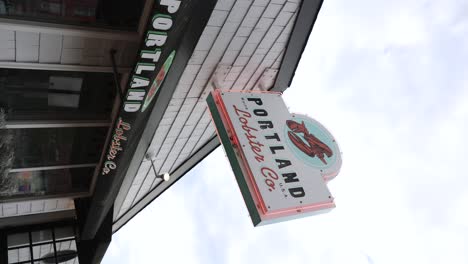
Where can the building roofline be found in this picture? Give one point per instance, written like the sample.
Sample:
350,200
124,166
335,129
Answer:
304,24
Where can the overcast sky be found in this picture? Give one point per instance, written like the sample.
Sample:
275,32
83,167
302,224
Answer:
390,80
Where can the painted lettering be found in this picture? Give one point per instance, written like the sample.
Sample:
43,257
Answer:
244,113
162,22
136,95
131,107
172,5
297,192
273,149
282,163
255,145
151,54
260,112
265,124
274,136
140,67
290,177
115,146
258,101
157,38
267,172
138,81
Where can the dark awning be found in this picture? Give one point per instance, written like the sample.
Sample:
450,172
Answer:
172,32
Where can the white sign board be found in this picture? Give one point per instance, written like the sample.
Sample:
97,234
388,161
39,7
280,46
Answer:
282,161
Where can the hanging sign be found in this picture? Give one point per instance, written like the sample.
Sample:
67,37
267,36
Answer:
281,161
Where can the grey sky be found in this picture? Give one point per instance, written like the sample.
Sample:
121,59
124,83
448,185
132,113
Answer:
389,79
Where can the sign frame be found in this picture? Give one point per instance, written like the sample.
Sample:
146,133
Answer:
258,209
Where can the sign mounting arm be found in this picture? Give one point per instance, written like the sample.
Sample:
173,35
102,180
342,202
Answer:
116,74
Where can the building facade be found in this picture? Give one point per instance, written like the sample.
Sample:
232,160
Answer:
102,106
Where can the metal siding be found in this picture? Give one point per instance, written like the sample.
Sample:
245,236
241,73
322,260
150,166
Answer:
144,168
144,188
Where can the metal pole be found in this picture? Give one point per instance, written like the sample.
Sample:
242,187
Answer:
116,74
55,246
154,169
30,247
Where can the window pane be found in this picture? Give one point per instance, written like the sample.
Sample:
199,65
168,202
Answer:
66,258
45,261
41,236
64,233
18,255
49,182
24,254
17,240
65,245
43,250
73,261
39,147
56,95
36,252
107,13
63,100
13,255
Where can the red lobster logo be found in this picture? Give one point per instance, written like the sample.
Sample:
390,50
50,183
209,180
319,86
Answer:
313,146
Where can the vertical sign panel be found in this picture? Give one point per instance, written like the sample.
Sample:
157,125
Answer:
171,34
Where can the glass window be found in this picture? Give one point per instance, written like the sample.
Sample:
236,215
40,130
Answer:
56,95
45,261
42,246
19,255
13,255
43,250
101,13
16,240
39,147
48,182
24,254
63,246
64,233
41,236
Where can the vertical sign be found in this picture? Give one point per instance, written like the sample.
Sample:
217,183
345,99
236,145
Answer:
157,52
172,31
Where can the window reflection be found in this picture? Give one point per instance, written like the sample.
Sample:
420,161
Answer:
48,182
40,147
55,95
41,236
34,95
102,13
44,245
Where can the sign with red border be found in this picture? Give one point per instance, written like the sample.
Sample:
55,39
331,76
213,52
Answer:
281,161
